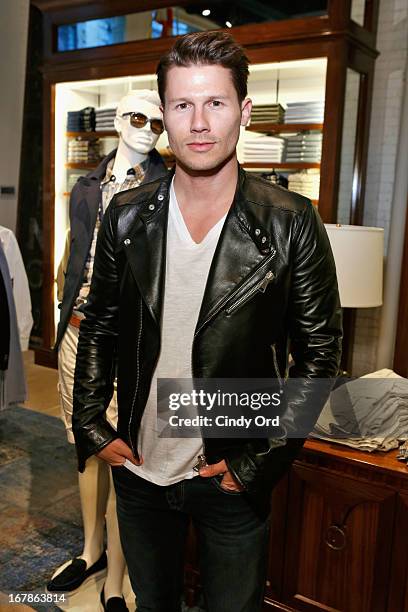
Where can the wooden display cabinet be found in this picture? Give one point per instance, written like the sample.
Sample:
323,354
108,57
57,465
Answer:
346,46
338,542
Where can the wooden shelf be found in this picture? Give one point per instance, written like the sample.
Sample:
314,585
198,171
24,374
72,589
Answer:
79,166
288,165
92,135
284,127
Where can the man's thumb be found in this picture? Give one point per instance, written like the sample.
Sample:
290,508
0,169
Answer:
209,470
127,452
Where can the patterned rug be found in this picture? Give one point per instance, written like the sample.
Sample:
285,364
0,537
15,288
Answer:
40,514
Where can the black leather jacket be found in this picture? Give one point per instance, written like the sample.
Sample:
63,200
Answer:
239,333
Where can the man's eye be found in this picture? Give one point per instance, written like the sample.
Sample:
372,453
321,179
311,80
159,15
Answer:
216,103
182,106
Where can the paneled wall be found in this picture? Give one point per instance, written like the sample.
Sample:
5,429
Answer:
392,42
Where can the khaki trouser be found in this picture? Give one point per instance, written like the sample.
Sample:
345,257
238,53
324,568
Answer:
66,368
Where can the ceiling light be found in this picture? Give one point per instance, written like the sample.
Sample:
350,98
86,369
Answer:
228,24
206,12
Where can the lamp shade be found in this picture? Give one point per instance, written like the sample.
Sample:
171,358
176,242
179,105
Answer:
358,253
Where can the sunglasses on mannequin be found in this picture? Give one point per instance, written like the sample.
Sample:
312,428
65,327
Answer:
139,120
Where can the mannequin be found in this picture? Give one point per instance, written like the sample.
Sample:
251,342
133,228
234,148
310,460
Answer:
134,143
135,161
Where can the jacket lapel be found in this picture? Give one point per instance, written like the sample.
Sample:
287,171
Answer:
243,247
235,260
88,197
146,249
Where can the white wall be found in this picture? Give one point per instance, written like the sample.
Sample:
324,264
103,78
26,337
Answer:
392,42
14,15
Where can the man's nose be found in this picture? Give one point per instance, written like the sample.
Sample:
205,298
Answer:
199,121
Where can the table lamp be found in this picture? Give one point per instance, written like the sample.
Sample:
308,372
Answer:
358,254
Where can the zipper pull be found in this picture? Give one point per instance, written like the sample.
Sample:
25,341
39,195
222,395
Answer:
265,282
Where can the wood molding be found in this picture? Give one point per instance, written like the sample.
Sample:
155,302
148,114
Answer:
48,325
332,134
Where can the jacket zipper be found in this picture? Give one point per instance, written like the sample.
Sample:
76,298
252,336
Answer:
137,376
261,286
276,366
229,297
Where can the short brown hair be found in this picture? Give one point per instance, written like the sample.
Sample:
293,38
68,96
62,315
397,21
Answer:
214,47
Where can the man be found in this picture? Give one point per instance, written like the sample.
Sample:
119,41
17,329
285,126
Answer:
175,294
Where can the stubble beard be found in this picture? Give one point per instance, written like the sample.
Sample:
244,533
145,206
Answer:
193,164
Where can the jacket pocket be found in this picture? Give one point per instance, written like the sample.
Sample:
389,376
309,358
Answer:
216,481
259,287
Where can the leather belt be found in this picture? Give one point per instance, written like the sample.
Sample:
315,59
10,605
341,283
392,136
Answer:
75,321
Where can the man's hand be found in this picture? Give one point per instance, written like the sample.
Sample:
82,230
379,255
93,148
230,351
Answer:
116,452
228,482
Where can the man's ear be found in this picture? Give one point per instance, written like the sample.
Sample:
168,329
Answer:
161,107
246,107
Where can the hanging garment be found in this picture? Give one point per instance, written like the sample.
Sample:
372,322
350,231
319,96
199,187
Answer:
4,328
21,291
12,378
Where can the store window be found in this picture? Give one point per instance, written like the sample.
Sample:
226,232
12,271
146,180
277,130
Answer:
95,33
176,20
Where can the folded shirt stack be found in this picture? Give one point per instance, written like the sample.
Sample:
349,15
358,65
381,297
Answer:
87,151
105,117
271,113
82,120
73,178
306,147
369,413
306,182
263,149
304,112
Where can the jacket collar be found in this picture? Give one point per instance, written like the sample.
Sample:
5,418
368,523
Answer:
99,173
240,208
155,169
243,246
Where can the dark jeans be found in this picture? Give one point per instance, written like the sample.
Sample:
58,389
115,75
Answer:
153,524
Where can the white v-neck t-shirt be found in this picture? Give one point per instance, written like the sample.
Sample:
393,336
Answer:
169,460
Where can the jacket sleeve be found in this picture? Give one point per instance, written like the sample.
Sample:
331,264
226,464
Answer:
97,349
314,321
315,316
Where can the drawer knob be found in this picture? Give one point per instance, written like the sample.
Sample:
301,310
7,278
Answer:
336,537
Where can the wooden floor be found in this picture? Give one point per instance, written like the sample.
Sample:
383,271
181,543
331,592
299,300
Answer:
42,387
